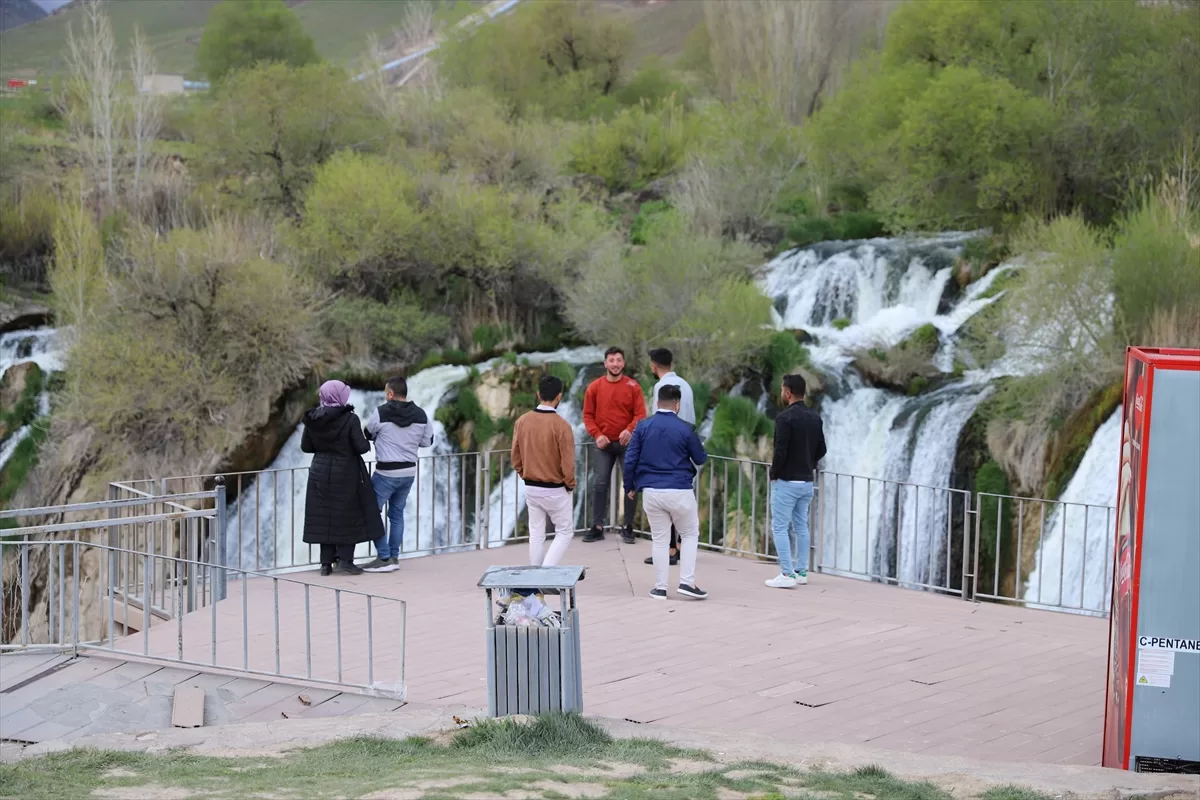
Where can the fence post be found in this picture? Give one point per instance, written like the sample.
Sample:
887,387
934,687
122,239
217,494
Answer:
486,503
820,528
970,594
219,555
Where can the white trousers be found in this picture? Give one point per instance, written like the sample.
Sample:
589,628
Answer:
664,508
556,507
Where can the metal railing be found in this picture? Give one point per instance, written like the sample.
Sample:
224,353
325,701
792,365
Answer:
359,638
977,546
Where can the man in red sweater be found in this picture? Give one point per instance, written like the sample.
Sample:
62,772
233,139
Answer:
612,407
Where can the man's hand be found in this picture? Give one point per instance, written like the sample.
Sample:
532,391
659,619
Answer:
632,495
603,441
624,438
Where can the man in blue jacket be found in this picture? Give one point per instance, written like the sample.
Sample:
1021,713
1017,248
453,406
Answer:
661,462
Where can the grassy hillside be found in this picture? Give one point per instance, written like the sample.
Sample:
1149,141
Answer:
173,27
660,29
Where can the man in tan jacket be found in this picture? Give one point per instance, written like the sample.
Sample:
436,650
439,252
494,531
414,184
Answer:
543,454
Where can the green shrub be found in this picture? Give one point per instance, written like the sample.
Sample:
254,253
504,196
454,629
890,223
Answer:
399,329
918,384
25,409
22,461
736,417
924,338
522,401
564,372
860,225
510,357
991,480
637,146
27,215
431,359
645,218
841,323
811,230
452,356
488,337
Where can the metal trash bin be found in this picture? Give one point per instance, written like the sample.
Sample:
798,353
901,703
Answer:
532,670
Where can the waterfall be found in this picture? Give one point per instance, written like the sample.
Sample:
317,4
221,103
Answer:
853,296
507,500
266,523
44,347
1074,560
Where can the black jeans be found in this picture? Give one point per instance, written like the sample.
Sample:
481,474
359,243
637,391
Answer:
343,553
605,459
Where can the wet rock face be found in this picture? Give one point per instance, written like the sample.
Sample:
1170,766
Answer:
18,313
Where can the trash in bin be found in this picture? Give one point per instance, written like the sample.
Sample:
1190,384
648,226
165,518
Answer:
533,653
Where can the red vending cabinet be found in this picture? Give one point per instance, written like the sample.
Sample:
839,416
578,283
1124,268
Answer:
1152,719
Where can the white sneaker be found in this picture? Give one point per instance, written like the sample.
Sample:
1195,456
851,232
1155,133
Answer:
801,578
781,582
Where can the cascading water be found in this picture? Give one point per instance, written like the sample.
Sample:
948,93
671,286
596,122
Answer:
269,519
1074,560
42,346
507,500
855,296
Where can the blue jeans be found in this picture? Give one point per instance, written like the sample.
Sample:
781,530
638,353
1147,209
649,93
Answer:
789,515
393,492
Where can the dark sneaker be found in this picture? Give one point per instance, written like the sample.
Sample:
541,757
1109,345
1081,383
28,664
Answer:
350,568
692,591
596,534
628,538
383,565
326,569
658,594
674,560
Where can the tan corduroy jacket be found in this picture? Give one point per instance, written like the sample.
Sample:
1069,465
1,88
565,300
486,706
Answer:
543,451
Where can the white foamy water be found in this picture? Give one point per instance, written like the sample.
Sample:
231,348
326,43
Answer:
1074,561
266,527
855,296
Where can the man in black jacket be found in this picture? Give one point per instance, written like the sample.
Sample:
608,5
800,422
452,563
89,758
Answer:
799,445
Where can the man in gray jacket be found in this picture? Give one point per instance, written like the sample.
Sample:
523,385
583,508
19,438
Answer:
397,428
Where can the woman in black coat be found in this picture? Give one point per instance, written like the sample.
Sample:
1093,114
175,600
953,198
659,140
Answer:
340,506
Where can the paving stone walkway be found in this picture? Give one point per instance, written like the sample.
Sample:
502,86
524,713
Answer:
839,660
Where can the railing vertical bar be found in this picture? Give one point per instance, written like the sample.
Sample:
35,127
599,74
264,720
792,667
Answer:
245,621
241,506
1041,557
275,598
179,617
754,515
853,510
307,633
999,545
275,516
1062,552
25,592
50,587
337,607
257,520
449,517
75,587
147,598
946,542
1020,544
370,643
741,544
292,514
213,643
1083,561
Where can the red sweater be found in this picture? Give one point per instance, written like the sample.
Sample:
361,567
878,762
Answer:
611,407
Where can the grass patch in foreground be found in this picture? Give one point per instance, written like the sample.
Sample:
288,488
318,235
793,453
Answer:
554,756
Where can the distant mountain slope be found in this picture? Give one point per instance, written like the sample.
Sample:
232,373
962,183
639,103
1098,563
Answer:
15,13
173,28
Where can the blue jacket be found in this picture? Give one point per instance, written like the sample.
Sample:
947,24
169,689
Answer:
663,454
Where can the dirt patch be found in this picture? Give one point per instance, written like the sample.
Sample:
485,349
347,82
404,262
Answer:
151,791
731,794
745,774
687,766
395,794
120,772
574,790
613,770
511,794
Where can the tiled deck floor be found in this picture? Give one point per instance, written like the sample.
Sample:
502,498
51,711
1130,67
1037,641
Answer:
838,660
